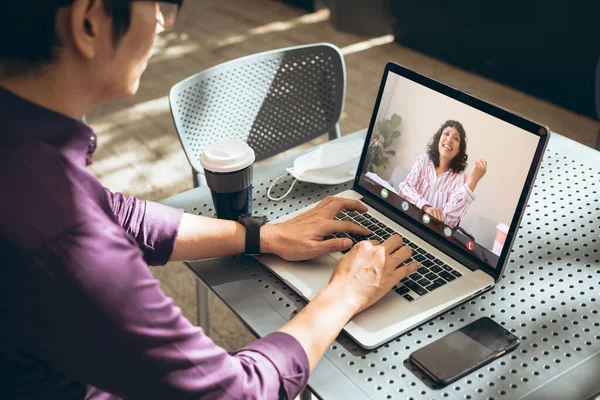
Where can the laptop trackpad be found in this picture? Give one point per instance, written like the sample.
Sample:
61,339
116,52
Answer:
307,277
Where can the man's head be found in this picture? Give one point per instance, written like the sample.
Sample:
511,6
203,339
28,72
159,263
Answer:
107,42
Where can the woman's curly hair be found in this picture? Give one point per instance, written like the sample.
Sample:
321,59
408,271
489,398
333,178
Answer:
459,162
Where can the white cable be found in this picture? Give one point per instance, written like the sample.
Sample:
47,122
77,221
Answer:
286,193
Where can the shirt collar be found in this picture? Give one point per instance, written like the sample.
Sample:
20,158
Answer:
432,168
23,121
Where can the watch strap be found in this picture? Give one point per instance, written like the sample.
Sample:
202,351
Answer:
253,225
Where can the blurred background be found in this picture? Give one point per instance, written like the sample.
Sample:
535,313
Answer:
536,58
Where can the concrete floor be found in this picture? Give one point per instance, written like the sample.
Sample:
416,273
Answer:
139,152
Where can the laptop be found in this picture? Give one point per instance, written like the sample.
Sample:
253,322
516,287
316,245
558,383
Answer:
418,121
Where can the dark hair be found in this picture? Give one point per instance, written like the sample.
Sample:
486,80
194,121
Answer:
459,162
28,38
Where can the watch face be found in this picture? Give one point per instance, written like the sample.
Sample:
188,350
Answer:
262,219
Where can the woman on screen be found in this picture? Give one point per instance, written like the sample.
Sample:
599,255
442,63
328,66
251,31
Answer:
437,183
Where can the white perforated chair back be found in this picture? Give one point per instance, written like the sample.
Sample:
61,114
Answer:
274,101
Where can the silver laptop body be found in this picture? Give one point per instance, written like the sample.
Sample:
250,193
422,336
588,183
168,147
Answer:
459,266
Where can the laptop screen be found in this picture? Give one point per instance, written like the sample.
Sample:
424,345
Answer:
458,171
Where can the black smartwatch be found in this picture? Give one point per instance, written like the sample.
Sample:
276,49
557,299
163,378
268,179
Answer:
252,224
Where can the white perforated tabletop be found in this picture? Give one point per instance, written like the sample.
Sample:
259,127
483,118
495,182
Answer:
549,296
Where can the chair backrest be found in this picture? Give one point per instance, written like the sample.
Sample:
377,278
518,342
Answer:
274,100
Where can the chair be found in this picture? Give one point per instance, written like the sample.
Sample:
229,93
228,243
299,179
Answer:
274,100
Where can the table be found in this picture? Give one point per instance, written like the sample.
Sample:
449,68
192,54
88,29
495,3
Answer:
549,297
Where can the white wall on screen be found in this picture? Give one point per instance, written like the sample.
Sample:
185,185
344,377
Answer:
508,150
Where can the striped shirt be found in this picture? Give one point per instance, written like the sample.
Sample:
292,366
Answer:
448,191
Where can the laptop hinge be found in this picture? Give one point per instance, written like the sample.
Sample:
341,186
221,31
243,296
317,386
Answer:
415,229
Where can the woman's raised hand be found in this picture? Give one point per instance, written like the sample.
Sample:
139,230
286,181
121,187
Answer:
477,172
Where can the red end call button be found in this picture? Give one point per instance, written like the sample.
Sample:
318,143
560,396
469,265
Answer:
470,245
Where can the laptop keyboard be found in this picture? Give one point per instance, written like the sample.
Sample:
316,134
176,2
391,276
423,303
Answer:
431,275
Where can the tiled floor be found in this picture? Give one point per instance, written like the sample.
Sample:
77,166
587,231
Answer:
139,152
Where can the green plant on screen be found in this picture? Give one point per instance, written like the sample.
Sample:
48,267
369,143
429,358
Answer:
387,129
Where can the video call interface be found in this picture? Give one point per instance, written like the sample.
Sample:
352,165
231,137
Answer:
455,169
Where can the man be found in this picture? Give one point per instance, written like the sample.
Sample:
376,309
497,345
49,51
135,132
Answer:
81,316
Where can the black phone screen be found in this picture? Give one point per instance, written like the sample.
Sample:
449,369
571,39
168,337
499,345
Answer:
464,350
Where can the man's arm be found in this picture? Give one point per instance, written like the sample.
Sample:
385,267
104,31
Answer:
154,226
167,234
361,277
300,238
99,317
107,323
202,237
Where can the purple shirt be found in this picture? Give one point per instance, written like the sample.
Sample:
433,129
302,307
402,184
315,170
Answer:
80,314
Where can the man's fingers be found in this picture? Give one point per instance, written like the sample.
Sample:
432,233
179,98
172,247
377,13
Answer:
316,208
324,202
345,226
334,207
392,244
402,254
405,270
333,245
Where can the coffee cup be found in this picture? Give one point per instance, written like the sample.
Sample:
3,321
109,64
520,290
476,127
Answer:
228,167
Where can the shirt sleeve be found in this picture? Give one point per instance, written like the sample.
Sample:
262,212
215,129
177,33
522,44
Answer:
154,226
408,188
113,328
460,198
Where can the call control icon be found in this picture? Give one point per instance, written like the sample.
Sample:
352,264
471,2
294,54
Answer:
405,205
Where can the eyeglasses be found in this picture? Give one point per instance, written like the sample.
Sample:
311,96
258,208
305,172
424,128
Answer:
167,12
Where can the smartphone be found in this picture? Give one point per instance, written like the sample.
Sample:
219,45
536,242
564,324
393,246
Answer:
463,351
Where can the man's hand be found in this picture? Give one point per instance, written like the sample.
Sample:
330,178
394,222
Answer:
477,172
368,271
436,213
364,275
301,238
